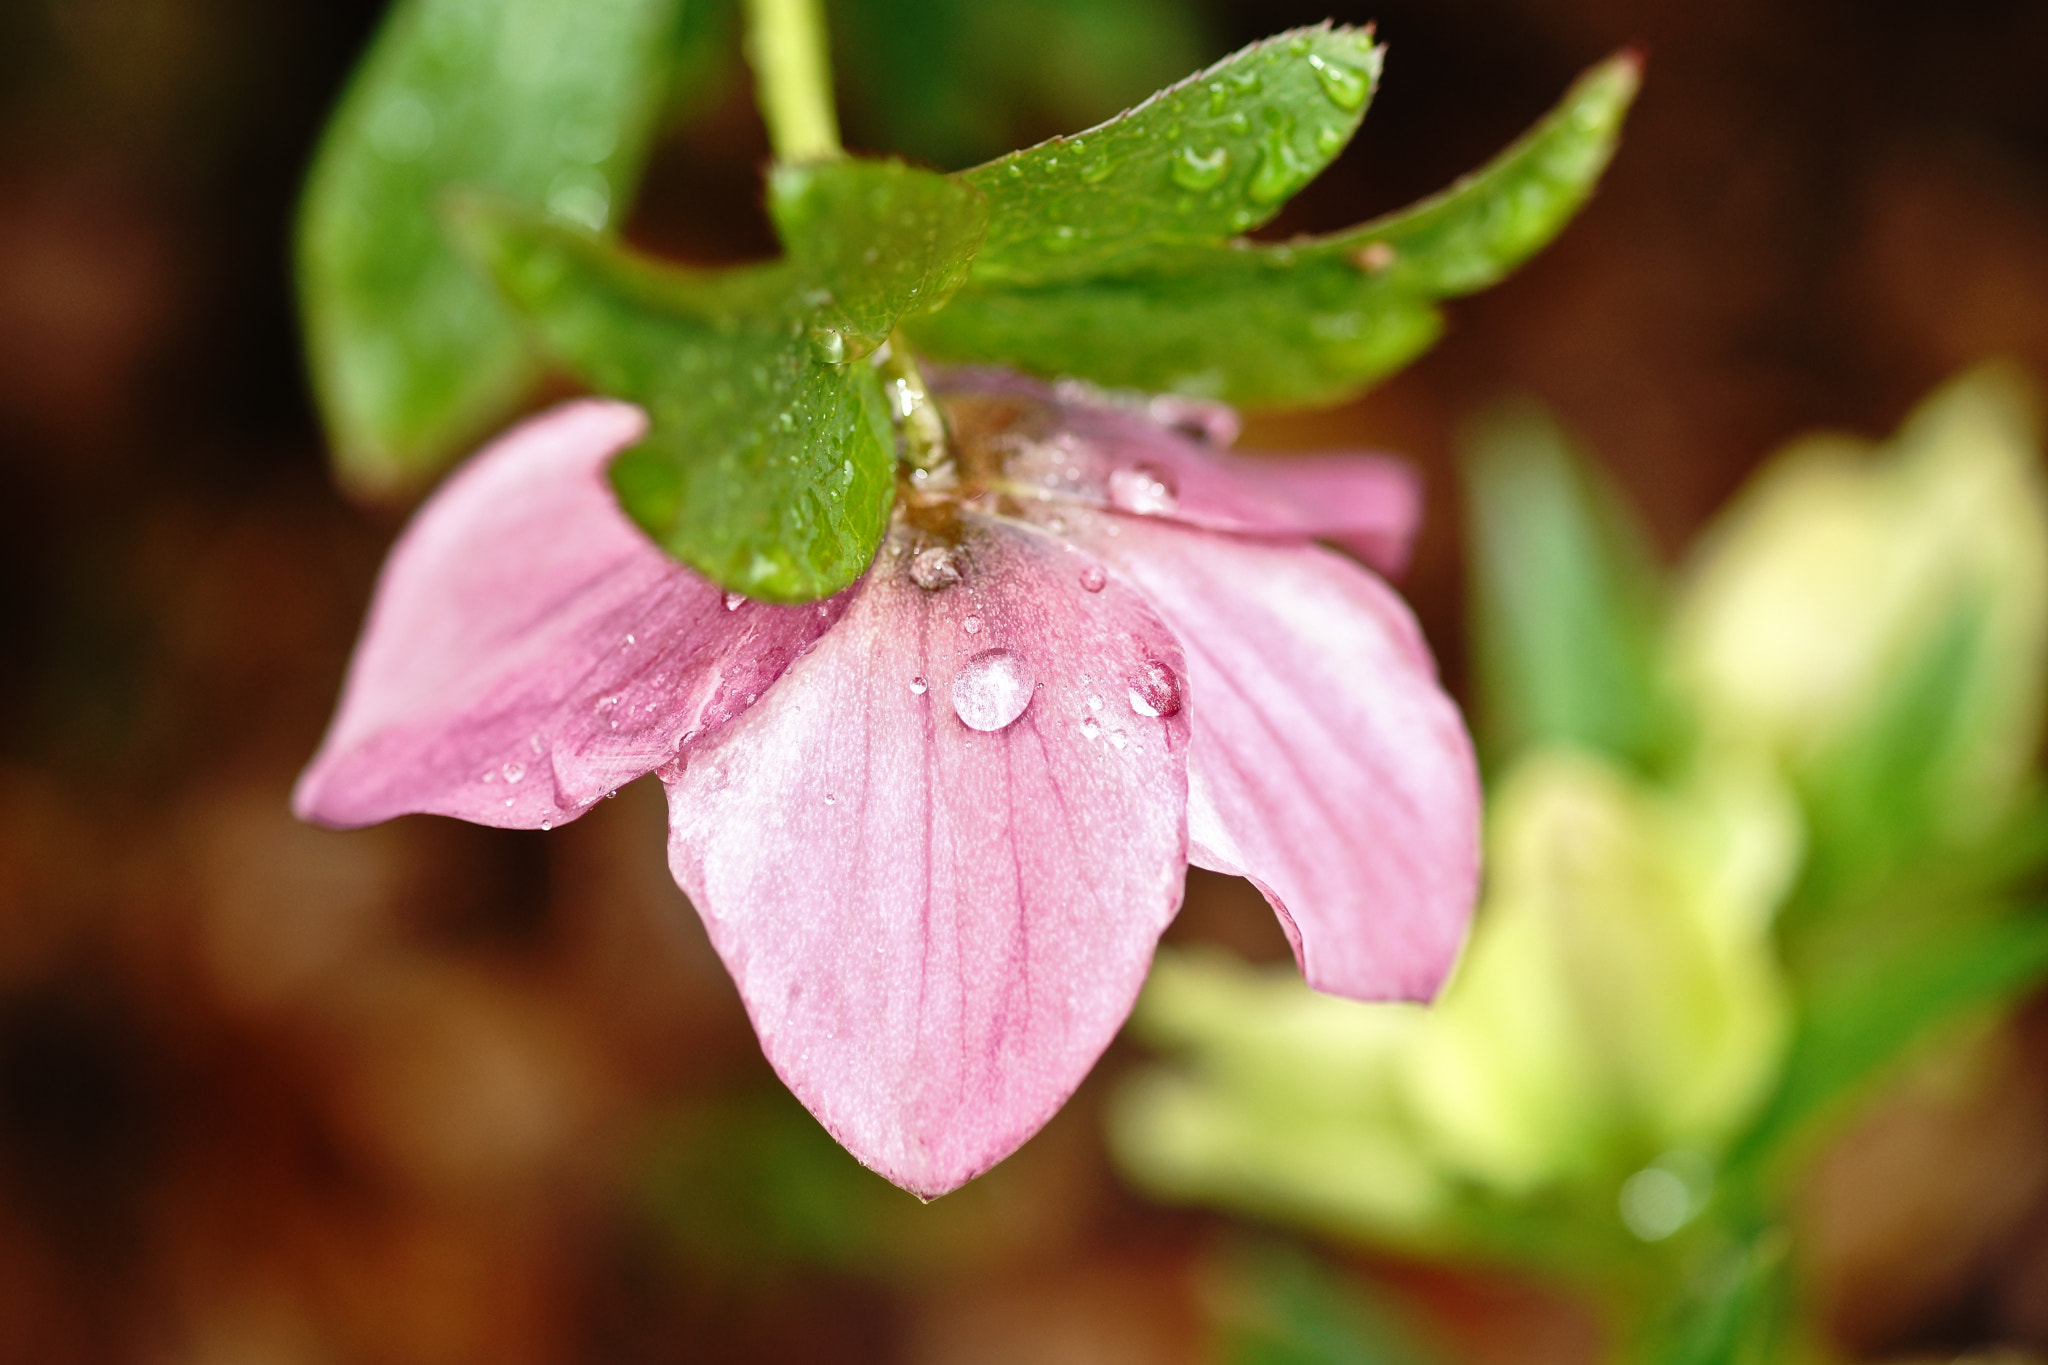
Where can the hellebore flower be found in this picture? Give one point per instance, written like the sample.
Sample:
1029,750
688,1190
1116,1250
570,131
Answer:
936,824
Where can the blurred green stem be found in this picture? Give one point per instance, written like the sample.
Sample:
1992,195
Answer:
792,61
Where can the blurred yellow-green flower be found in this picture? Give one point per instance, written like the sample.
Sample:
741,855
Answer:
1618,1000
1842,565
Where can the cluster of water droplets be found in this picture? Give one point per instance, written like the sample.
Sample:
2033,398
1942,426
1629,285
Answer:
1145,489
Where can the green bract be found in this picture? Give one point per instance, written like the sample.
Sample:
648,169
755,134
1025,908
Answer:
413,354
1219,153
1110,256
770,465
1307,321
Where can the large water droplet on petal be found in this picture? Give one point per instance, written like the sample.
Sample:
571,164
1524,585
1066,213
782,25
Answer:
992,689
1155,690
917,685
1142,488
972,625
735,600
1346,87
1197,170
934,568
1093,578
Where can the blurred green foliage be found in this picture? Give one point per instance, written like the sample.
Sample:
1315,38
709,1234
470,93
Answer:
413,354
1755,836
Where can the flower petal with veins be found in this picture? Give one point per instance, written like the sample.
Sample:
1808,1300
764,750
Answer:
529,650
938,920
1058,444
1328,766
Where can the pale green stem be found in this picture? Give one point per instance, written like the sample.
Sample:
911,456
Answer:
792,60
924,427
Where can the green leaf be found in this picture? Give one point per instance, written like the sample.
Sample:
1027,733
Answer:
881,238
1566,597
1308,321
1218,153
1862,1014
413,355
770,463
1276,1305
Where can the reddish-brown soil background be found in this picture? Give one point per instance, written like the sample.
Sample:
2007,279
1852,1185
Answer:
269,1094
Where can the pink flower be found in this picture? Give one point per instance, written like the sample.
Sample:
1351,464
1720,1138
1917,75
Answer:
936,824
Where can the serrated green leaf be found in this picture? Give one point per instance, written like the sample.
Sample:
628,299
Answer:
1565,597
770,463
880,238
1308,321
413,356
1218,153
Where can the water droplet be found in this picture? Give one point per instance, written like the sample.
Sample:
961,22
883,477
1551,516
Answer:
830,799
1244,82
1329,138
612,793
1116,739
1096,171
1155,690
1090,728
1346,87
828,344
1196,170
508,801
1095,703
1014,171
533,743
1142,488
734,600
546,825
1239,123
934,567
627,644
917,685
1298,44
972,625
491,776
1218,97
992,689
513,771
1093,577
1280,170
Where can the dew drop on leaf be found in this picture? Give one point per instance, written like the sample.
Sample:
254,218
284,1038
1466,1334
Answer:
1197,170
828,344
1346,87
992,689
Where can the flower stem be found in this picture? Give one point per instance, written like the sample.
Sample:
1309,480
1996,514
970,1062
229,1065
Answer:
792,61
924,427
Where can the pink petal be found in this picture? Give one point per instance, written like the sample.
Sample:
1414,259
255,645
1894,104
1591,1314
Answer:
1328,765
1164,457
529,650
938,928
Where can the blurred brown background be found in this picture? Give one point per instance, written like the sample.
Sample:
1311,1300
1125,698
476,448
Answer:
431,1093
